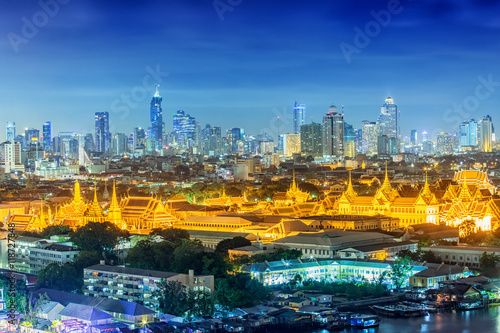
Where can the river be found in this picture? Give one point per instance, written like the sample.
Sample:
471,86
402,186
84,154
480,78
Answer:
475,321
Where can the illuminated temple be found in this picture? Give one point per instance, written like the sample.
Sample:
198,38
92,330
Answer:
468,196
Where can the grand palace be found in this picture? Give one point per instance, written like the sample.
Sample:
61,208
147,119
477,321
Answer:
467,196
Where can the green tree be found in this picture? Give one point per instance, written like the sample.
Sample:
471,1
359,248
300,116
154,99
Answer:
173,235
488,261
188,255
231,243
401,270
97,236
142,255
55,230
60,277
172,296
466,228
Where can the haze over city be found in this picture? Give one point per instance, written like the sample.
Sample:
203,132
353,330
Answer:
244,64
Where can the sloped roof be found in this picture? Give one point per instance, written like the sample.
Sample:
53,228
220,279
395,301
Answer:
84,312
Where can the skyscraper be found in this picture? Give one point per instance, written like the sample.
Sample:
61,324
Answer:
485,134
467,132
47,135
184,129
444,143
371,132
291,144
388,118
10,131
102,135
299,117
30,134
156,120
333,133
311,139
413,138
235,134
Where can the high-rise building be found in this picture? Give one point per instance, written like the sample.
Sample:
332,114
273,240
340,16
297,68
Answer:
235,135
30,134
12,156
425,136
10,131
184,129
156,115
386,146
139,137
413,138
68,145
333,133
299,117
88,142
388,118
119,144
468,133
349,133
311,140
371,132
444,143
47,135
485,134
291,144
102,135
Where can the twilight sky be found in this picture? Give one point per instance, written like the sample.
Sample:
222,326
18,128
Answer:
247,61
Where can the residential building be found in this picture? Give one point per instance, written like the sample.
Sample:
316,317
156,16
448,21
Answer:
333,133
311,140
136,285
299,117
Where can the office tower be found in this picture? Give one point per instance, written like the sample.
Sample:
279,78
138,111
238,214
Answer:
88,143
184,129
371,132
47,135
444,143
291,144
299,117
359,139
388,118
139,138
485,134
425,136
215,141
311,140
69,145
349,133
386,146
350,149
235,135
30,134
102,135
10,131
468,133
333,133
12,156
56,145
156,120
413,138
119,144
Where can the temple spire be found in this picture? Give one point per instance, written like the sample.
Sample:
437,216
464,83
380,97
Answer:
95,209
350,190
386,186
114,212
77,198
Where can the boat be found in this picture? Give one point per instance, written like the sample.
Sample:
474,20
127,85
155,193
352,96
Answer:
335,326
398,311
364,321
423,306
470,305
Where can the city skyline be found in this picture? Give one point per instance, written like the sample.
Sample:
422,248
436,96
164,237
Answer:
222,68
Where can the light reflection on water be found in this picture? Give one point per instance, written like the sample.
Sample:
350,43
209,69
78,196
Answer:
483,321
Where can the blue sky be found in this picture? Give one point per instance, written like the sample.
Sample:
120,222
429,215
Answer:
249,67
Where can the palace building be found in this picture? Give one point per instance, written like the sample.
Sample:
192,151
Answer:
423,208
469,196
